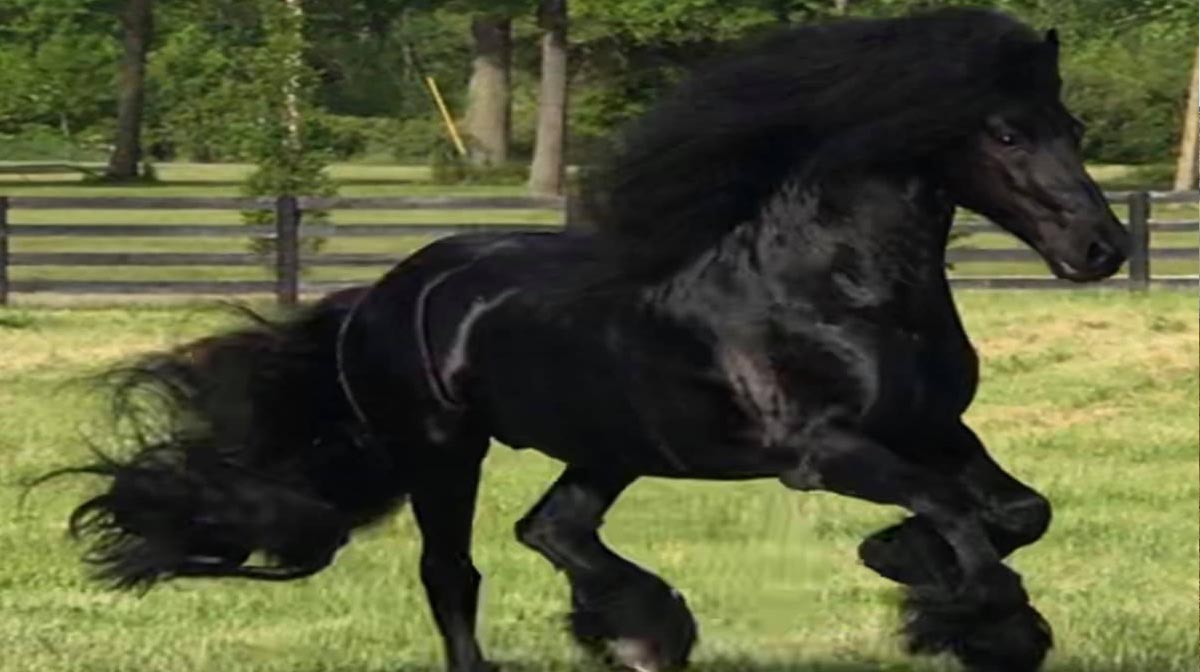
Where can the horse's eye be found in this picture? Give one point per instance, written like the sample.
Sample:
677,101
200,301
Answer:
1007,139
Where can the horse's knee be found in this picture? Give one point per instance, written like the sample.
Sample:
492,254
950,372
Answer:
532,531
1024,520
549,537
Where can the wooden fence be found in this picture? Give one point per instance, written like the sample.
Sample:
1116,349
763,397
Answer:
287,233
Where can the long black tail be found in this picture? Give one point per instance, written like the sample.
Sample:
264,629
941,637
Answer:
246,443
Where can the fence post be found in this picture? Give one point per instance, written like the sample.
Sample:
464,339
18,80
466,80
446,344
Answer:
287,250
3,250
1139,234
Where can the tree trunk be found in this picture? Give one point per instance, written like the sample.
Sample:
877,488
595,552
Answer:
1187,173
489,98
547,174
138,24
840,6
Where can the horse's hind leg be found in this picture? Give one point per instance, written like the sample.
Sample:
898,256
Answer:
443,501
972,605
619,609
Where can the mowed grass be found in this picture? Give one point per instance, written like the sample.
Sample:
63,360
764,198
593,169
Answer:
1090,396
213,180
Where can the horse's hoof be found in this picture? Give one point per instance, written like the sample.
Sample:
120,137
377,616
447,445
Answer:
1016,643
983,635
638,624
637,655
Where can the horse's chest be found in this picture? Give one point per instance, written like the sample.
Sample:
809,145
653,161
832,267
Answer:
884,382
920,379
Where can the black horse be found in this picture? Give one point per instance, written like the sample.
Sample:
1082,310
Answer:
763,296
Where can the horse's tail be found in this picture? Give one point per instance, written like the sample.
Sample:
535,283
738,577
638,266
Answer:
246,443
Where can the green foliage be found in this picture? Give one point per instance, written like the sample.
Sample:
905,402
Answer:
1125,63
346,137
342,137
36,142
200,97
51,54
417,139
1128,89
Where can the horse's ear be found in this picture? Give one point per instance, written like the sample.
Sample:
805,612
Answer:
1052,41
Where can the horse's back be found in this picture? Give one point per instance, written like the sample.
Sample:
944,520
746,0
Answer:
494,331
535,368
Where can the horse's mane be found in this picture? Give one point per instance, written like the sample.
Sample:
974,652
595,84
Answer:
807,101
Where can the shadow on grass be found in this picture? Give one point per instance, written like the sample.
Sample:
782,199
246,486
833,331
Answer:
748,665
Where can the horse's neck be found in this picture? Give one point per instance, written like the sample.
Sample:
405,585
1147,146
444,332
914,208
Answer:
872,241
874,223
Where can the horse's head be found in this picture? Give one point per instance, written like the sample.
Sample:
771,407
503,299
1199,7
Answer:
1022,169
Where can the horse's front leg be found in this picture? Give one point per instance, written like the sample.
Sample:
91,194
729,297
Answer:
976,608
618,608
1013,514
913,553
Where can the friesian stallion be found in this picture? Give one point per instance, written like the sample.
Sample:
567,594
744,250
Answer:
761,294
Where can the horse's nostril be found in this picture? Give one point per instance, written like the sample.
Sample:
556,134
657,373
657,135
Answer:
1100,254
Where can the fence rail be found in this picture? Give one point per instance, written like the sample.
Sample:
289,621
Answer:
287,234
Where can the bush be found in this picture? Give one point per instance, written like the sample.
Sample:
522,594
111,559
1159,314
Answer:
336,135
1130,96
418,139
33,142
347,137
447,166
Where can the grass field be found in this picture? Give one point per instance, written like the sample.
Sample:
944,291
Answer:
372,180
1090,396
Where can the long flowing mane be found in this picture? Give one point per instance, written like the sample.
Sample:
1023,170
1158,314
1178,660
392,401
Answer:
807,101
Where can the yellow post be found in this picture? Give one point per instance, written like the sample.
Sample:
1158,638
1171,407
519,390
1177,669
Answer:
441,105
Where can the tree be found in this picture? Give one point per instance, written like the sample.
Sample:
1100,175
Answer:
548,172
286,161
55,56
199,107
138,25
489,95
1187,173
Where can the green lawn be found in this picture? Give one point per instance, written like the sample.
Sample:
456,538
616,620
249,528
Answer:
1091,396
374,180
